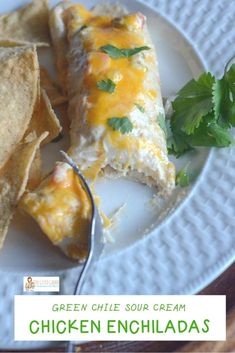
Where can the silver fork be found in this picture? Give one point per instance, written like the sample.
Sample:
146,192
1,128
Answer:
95,237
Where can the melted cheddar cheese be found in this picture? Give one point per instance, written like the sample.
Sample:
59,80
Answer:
62,209
127,76
124,72
95,142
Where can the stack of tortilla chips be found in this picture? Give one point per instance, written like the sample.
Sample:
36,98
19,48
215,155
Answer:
27,95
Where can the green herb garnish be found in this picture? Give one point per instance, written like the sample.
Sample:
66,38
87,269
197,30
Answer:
141,109
106,85
124,125
116,53
82,28
161,119
203,112
183,177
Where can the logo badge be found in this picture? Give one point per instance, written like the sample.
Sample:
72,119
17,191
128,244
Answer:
41,284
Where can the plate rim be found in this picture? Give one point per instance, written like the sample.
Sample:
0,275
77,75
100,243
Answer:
181,204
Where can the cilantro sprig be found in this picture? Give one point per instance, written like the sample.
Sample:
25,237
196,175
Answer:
183,177
123,124
186,176
106,85
117,53
203,113
82,28
161,120
140,107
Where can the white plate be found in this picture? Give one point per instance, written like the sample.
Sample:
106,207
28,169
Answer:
27,245
196,242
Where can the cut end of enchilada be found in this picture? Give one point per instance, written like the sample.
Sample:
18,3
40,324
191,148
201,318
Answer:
115,99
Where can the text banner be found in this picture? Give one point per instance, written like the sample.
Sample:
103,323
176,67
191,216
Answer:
63,317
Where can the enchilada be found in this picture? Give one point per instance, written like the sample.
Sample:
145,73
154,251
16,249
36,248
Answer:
111,76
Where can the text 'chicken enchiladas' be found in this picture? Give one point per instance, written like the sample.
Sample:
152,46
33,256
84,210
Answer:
115,106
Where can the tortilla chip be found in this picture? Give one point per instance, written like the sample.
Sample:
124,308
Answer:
29,24
60,43
10,43
63,114
14,43
35,175
13,180
44,119
19,72
51,88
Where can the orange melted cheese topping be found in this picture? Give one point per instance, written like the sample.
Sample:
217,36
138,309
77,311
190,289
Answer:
135,85
61,207
127,76
123,33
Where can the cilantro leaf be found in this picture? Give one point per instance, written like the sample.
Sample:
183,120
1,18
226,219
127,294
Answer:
217,97
230,78
195,94
116,53
208,134
183,178
123,124
211,134
224,98
162,122
106,85
82,28
141,109
177,144
133,51
203,112
193,102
